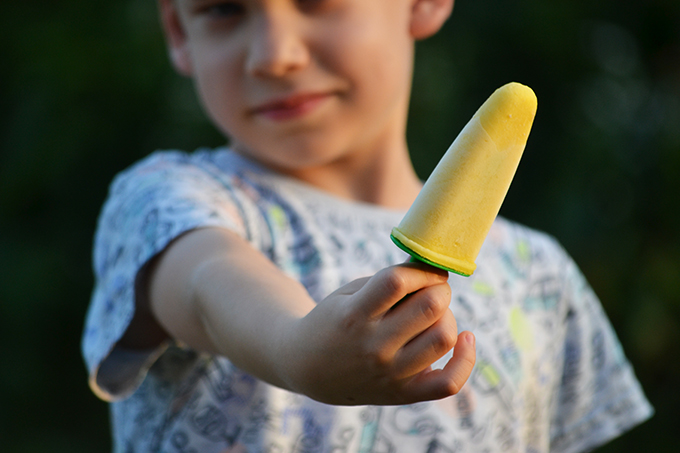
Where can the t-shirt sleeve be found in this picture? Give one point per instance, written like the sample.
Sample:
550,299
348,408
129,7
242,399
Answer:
148,206
598,395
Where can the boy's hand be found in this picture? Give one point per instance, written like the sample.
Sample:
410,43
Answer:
373,341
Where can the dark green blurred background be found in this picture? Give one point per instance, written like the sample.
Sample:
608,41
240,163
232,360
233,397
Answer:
86,90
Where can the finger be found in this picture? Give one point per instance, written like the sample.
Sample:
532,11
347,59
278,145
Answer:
437,384
428,347
416,313
392,284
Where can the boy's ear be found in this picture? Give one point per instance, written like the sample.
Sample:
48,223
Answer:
428,16
175,37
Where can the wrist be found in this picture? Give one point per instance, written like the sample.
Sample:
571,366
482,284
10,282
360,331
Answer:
287,354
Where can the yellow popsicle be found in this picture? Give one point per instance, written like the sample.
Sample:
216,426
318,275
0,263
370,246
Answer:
449,220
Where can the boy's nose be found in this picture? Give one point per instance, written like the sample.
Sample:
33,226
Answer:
277,47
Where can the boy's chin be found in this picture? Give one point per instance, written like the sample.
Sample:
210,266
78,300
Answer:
290,156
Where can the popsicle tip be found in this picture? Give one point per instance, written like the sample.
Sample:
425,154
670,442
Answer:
519,91
509,113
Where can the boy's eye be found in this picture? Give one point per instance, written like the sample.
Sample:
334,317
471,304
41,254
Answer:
224,9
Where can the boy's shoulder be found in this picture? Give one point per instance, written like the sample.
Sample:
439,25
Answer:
510,235
207,170
520,256
162,161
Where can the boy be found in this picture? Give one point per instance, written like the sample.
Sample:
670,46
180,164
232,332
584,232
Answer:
217,322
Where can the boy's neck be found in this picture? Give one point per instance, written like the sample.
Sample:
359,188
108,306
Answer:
390,182
382,175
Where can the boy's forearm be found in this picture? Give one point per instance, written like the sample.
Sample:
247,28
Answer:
249,325
214,292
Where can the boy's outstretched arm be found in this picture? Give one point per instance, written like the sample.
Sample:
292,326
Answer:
370,342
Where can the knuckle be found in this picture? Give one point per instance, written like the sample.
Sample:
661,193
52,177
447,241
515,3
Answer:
394,281
434,301
443,341
348,322
349,317
452,387
380,359
429,308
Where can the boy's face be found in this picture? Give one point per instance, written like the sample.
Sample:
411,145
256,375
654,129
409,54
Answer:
298,83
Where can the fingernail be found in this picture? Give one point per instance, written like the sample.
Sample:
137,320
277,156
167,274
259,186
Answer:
470,338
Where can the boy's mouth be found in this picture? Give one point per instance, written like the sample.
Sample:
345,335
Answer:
291,107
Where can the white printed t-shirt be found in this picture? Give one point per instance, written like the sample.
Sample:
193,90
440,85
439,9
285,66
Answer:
550,373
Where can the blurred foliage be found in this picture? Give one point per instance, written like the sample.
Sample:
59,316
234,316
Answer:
86,90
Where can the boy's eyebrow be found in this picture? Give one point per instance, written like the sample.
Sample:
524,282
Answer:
188,2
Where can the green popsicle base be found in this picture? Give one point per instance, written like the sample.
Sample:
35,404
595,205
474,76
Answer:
417,257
